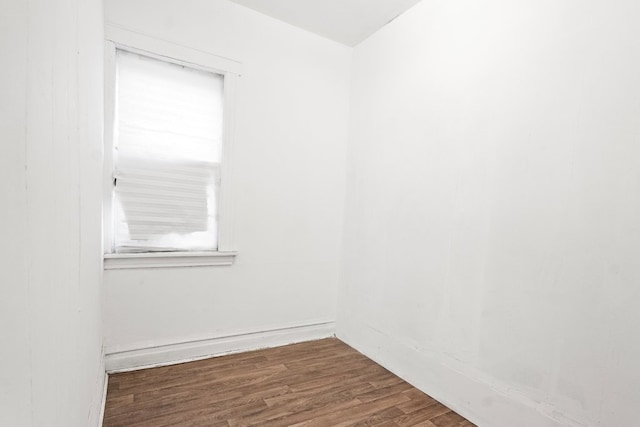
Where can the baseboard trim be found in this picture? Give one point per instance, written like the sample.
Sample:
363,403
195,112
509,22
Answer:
481,403
104,399
170,354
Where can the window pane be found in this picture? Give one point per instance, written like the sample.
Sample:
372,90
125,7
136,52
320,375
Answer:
168,149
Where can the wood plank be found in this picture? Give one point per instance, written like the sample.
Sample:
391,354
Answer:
315,384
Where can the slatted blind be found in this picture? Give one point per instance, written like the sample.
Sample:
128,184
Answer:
167,155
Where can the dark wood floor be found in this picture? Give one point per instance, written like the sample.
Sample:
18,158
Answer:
319,383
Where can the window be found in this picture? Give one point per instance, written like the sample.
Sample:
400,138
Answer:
167,143
168,140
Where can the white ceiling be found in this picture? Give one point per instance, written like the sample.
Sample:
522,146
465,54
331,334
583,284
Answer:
345,21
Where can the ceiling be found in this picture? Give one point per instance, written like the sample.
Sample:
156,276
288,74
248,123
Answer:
345,21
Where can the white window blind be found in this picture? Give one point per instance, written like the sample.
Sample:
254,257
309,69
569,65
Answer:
168,143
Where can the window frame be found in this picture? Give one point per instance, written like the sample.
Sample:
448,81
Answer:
123,39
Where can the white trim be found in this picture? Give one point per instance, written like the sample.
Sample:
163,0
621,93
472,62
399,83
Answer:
104,399
109,152
202,349
167,259
225,201
155,47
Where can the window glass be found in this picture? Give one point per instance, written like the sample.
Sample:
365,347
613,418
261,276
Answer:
168,139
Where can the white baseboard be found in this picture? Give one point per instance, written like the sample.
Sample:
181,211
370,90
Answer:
96,411
104,398
193,350
478,401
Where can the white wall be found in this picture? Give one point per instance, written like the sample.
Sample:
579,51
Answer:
492,232
50,126
288,184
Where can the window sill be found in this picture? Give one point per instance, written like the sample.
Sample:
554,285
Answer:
168,260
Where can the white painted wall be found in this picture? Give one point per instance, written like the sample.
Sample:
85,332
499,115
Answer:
492,231
288,183
50,126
